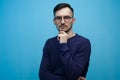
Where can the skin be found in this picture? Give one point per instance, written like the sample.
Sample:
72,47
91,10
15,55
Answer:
65,28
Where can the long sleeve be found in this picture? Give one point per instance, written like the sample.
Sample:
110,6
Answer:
76,62
66,61
44,72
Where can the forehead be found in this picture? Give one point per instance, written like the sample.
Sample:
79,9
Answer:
63,12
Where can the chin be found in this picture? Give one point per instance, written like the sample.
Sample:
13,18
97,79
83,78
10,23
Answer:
63,30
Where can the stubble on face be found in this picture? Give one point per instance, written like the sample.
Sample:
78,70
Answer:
64,26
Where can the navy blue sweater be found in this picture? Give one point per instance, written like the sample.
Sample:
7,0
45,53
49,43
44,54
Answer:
66,61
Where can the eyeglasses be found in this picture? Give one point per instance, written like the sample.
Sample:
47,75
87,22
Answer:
59,18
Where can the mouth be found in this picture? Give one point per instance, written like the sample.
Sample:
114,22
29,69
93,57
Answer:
62,26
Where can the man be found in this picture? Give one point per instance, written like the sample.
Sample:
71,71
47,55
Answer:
66,56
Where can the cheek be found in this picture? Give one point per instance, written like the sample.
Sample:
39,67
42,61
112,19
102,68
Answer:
70,23
57,24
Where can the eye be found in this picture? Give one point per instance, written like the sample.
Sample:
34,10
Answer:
67,17
58,18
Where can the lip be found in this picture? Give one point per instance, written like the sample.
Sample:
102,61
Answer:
62,26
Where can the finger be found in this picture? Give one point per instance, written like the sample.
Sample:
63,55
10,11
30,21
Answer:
58,37
62,32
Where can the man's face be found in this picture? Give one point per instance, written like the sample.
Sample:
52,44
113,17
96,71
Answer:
64,19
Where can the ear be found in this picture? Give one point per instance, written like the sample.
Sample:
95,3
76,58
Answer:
73,20
54,21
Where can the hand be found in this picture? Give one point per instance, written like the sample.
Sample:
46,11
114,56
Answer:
63,37
81,78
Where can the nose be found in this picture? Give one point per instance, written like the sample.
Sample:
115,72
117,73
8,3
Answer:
62,21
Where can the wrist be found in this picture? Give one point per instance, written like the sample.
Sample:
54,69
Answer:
63,41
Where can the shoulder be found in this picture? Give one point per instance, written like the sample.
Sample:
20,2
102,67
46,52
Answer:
51,40
83,43
81,39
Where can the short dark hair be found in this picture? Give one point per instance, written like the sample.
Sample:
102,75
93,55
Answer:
62,5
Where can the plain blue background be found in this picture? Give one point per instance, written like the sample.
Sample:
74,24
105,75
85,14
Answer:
25,25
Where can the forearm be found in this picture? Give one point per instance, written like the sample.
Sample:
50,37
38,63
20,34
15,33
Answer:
81,78
75,63
46,75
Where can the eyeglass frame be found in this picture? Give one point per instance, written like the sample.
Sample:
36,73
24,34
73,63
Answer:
65,18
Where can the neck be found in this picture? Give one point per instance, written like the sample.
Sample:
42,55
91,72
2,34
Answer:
71,34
